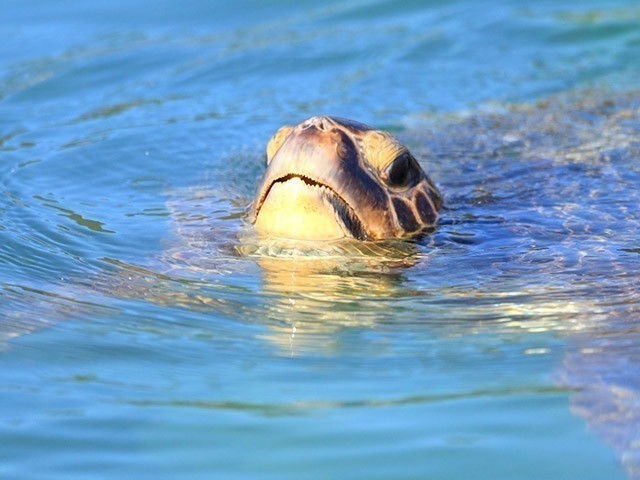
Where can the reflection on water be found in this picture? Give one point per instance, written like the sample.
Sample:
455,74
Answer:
315,296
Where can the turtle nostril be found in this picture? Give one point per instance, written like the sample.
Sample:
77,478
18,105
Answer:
327,124
324,124
308,123
321,123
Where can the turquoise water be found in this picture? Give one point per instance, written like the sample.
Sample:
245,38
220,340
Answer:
141,337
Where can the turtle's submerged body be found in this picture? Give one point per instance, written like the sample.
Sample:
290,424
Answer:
329,178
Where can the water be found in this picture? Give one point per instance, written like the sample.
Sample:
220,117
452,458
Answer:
138,340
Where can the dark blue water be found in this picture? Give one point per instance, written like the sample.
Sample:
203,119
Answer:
142,335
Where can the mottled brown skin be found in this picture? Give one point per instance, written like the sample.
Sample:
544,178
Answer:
377,187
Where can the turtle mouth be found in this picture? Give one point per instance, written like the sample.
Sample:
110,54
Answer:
333,204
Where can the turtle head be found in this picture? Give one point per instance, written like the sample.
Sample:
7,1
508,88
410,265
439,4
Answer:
329,178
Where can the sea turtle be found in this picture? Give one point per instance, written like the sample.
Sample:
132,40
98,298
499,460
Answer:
329,178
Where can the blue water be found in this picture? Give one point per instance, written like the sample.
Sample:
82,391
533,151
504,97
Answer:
142,337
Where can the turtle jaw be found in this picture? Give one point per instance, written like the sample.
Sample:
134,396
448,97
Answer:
296,206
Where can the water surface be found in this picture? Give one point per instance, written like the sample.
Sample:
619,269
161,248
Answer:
142,334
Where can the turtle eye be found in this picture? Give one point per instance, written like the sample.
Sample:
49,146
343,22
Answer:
398,174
